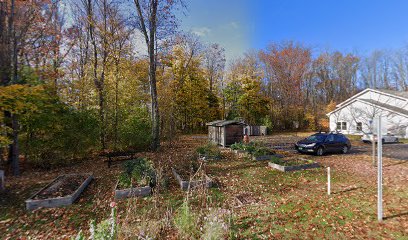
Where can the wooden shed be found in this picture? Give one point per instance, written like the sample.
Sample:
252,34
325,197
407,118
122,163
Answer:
255,130
225,132
213,134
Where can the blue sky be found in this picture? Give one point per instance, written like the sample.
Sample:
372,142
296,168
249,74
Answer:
358,26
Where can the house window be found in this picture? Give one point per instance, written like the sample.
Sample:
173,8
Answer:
343,126
338,126
359,126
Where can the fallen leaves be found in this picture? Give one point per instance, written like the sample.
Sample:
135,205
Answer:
288,205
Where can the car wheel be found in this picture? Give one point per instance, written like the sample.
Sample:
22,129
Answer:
345,150
320,151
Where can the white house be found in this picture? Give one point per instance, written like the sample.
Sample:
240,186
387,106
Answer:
358,115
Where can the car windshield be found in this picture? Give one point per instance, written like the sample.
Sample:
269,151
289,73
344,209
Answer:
317,138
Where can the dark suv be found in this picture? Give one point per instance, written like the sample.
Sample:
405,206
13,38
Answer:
321,143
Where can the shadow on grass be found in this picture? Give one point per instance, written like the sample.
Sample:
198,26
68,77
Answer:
396,215
394,164
347,190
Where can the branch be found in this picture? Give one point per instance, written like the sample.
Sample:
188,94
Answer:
142,22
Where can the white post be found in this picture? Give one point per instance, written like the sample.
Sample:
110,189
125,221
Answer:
379,177
328,180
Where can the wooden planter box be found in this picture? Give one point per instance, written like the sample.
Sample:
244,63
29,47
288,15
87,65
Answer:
132,192
33,203
293,168
184,184
207,157
262,158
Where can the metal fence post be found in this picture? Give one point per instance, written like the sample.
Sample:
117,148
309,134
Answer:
379,166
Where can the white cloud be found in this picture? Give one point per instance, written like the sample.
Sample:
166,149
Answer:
201,31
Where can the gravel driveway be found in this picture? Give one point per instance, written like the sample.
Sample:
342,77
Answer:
396,150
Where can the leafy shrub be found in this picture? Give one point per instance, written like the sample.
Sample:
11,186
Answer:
255,148
262,151
209,151
54,137
237,146
138,171
134,131
252,146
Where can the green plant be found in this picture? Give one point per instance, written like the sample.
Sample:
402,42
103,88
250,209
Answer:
215,225
250,148
134,131
105,230
186,222
262,151
138,171
237,146
210,151
58,135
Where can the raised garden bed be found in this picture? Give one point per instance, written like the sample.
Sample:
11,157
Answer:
262,158
255,150
136,180
62,191
292,164
132,192
184,182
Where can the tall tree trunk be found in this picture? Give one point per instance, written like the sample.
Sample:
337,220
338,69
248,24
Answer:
102,117
152,76
154,105
99,83
116,104
150,38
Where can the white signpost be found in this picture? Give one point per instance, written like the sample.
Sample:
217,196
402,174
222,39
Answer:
379,166
328,181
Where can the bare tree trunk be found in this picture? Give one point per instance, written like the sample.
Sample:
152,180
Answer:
116,103
150,38
99,83
153,92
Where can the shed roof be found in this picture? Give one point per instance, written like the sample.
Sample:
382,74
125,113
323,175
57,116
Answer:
221,123
213,123
229,122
